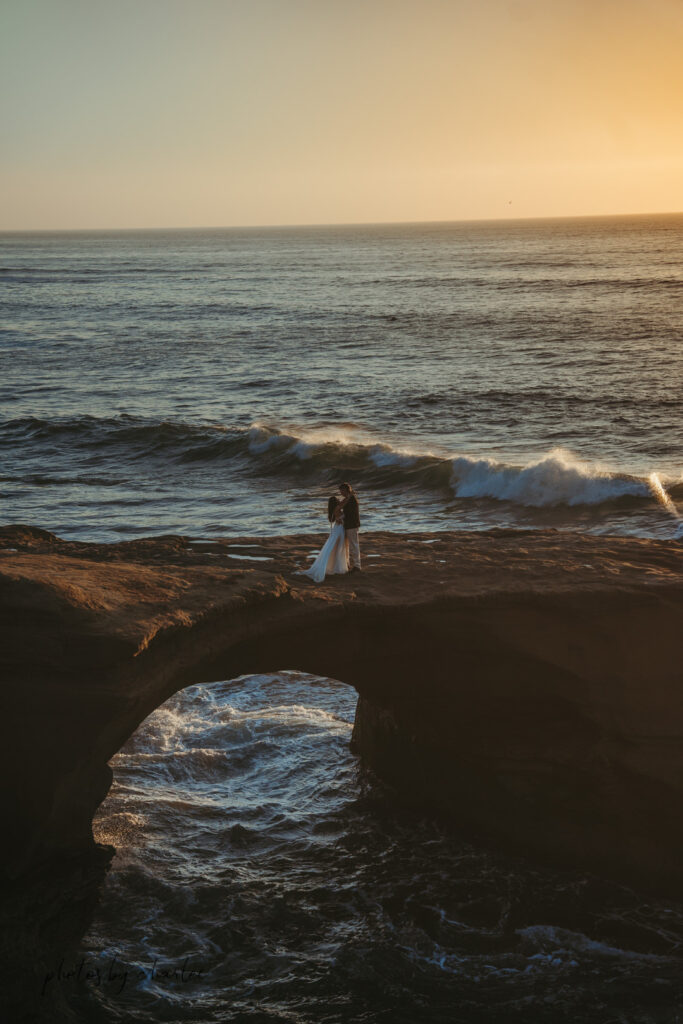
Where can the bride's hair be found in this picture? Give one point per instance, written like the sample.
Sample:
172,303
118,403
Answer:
331,506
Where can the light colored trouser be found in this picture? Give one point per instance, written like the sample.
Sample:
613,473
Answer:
352,548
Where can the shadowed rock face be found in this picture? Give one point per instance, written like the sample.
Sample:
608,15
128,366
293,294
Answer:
528,684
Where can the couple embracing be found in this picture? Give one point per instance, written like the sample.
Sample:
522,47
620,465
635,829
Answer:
341,552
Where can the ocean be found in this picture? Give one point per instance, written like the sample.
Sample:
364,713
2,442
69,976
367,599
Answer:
263,875
222,383
460,376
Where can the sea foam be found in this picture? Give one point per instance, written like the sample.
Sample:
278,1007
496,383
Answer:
556,479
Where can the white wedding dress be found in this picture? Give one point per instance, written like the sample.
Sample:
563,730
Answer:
332,558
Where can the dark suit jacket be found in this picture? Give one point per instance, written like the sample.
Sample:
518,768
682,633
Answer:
351,514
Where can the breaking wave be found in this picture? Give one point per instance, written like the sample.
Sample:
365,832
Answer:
558,478
332,452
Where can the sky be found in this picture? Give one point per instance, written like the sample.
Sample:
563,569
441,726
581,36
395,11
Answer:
187,113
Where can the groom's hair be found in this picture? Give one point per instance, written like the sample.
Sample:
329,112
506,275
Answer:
346,487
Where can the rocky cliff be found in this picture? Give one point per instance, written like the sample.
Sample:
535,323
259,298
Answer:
527,683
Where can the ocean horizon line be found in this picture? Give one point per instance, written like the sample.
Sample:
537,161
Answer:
327,225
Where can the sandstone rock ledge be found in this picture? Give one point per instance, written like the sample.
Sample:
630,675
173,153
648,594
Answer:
529,683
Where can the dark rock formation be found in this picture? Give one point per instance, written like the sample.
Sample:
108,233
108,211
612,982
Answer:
529,684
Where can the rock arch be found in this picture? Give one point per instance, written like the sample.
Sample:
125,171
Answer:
527,684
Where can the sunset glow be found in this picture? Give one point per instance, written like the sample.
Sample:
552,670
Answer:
178,113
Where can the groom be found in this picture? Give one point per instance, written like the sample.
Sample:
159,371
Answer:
351,525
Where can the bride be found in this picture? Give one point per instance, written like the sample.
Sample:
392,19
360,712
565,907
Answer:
333,557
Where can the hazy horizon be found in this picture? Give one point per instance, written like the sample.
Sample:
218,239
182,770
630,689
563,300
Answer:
124,229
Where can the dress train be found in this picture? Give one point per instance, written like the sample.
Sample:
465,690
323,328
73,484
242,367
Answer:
332,558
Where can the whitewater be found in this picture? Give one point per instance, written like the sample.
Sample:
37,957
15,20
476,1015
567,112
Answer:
253,846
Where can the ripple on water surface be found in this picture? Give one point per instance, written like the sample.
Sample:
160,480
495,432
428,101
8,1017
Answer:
251,843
